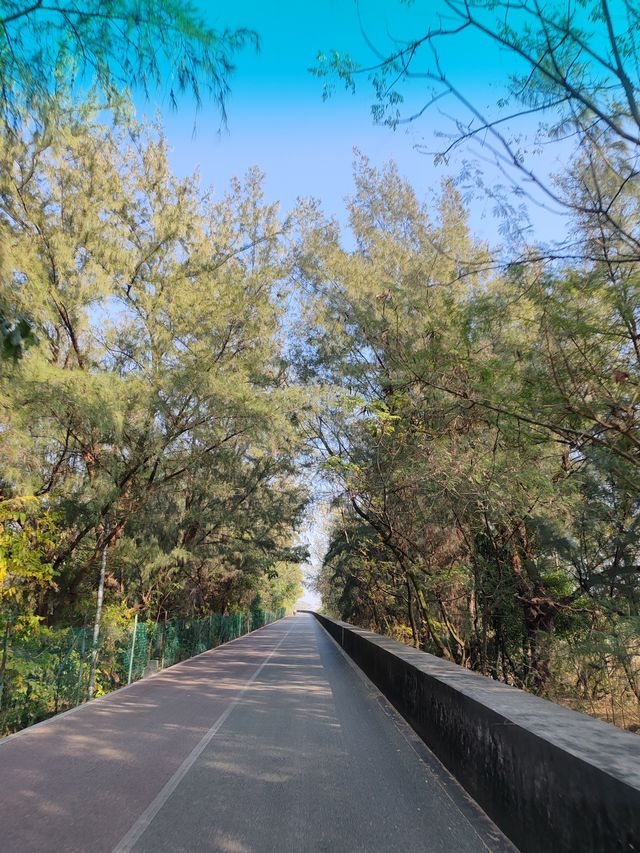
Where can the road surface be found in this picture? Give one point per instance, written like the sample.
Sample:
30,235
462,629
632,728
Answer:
273,742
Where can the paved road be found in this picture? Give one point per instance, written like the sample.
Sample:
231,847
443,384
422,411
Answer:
270,743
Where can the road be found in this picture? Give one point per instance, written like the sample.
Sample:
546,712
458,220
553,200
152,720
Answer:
273,742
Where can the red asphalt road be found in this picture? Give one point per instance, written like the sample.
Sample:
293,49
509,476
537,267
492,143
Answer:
269,744
80,780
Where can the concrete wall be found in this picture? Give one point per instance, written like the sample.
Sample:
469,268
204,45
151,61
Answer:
551,778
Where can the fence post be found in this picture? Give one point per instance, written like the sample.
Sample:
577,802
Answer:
96,627
81,666
133,647
5,657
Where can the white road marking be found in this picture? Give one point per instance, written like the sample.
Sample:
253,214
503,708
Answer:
133,835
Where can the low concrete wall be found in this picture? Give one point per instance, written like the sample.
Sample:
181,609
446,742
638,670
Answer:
552,779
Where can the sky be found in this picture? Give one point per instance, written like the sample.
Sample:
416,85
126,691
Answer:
278,120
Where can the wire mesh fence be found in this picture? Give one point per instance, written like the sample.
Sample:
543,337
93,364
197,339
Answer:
46,671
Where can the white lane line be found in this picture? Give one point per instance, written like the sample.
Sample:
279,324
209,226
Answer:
133,835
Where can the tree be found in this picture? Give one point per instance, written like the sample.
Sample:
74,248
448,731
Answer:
488,399
28,533
571,65
457,524
114,47
155,414
110,48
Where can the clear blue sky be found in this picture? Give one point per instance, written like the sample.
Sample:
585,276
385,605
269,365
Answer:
277,118
279,122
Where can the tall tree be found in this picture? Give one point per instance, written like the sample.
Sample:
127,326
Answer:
112,48
458,524
160,390
572,66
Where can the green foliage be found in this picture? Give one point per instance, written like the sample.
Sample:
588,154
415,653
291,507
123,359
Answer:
154,417
28,538
503,493
52,52
113,45
486,506
16,336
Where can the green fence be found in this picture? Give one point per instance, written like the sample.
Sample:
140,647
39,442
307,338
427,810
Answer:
47,671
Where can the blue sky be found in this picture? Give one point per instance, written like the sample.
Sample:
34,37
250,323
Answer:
279,121
277,118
